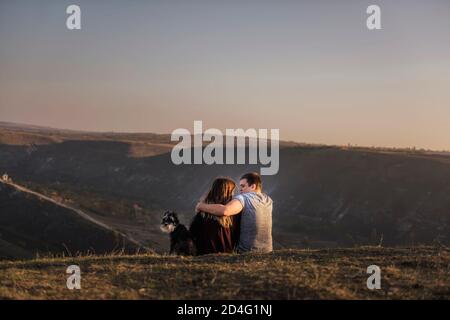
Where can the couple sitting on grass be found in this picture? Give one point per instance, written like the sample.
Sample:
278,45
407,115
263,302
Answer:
226,222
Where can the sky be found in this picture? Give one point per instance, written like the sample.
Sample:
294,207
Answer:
309,68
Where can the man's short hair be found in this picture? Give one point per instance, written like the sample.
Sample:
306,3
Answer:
253,178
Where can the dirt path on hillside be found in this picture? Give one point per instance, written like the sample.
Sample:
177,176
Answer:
79,212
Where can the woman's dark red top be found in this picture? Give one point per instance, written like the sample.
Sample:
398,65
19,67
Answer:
211,237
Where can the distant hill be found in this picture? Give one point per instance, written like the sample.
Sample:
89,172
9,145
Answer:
406,273
32,225
324,196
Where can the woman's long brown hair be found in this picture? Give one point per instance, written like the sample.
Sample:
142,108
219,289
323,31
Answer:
221,192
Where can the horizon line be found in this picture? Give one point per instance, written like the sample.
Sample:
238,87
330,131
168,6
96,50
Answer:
349,145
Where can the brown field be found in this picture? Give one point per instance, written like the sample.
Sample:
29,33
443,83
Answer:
407,273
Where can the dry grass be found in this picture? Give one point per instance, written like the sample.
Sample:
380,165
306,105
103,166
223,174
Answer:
407,273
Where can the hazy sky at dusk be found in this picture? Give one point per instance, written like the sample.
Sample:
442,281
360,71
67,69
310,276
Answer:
310,68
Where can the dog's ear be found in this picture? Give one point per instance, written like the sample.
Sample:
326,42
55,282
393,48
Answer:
166,213
174,217
171,213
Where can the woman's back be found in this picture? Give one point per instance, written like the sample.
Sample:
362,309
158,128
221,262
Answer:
210,236
216,234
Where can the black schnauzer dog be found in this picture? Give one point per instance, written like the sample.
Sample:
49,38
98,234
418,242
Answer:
181,242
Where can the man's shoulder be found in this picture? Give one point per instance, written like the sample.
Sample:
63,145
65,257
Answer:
244,196
253,198
251,195
241,198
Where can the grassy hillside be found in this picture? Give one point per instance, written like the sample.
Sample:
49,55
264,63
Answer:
407,273
32,224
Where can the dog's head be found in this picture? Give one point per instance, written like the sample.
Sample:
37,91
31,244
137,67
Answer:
169,221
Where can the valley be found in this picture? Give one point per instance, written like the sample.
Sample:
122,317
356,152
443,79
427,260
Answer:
324,196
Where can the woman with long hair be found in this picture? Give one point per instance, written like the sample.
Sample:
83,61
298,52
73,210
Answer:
213,234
